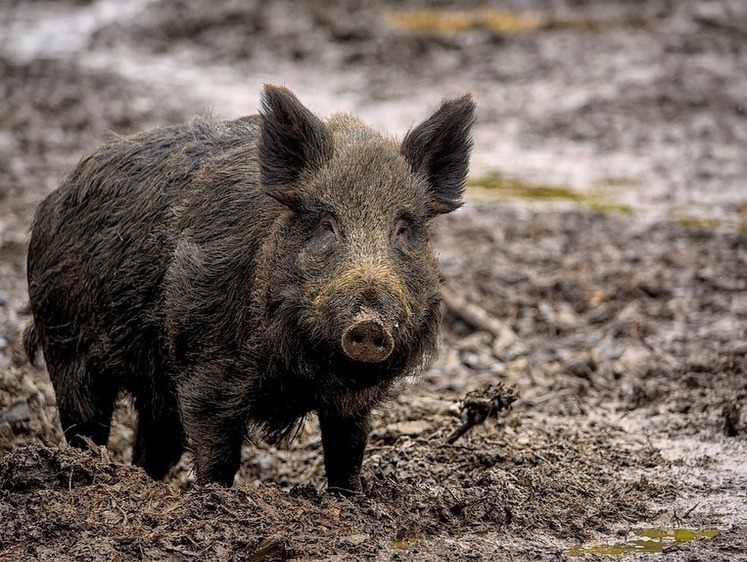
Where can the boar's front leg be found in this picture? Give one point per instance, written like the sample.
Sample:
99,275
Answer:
215,429
344,440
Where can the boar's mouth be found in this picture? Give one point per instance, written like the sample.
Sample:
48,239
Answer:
367,340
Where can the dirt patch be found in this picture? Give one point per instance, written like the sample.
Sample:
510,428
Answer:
619,342
418,488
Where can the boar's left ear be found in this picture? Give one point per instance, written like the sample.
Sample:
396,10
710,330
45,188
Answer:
293,140
439,148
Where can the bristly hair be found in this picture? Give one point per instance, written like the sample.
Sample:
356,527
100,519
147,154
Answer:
283,433
31,342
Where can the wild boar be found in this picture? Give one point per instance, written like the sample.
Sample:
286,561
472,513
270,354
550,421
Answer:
236,276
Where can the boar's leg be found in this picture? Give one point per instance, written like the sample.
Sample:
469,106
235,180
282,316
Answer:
215,428
85,401
160,439
344,440
217,451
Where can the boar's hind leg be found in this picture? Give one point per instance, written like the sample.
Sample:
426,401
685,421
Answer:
85,402
159,443
344,440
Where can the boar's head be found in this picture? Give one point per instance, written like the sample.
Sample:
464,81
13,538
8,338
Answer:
356,288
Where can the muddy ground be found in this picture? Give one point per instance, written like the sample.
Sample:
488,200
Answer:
598,274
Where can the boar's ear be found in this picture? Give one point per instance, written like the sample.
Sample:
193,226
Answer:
439,148
293,140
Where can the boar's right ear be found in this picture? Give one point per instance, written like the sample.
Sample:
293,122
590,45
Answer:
439,148
293,140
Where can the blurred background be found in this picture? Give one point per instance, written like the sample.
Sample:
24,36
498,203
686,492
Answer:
643,100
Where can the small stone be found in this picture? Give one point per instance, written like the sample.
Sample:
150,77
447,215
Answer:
17,412
409,428
475,342
265,463
356,539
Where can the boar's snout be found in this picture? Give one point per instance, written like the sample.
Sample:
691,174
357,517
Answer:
367,340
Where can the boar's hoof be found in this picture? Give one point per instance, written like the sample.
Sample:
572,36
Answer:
367,341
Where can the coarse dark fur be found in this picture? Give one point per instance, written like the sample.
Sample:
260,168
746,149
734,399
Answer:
211,270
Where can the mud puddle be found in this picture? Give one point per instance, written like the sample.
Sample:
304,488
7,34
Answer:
652,541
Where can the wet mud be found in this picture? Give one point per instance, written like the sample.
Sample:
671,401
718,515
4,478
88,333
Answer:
589,395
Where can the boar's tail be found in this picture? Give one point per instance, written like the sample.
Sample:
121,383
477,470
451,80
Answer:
31,342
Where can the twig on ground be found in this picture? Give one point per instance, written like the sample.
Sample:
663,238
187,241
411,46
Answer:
505,340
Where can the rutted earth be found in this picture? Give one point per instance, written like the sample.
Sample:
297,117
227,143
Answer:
598,277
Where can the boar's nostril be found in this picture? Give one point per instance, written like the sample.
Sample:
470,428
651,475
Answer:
368,342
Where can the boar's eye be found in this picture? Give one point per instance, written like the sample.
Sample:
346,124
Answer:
329,227
402,229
